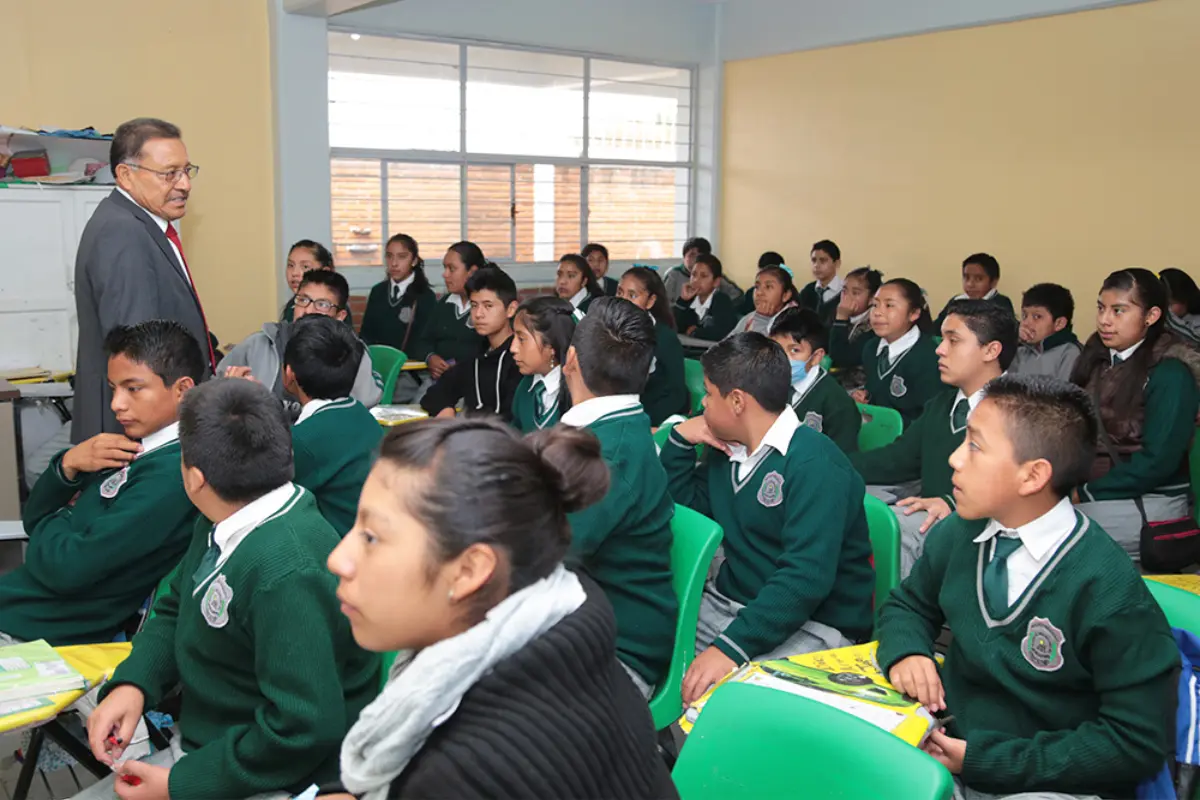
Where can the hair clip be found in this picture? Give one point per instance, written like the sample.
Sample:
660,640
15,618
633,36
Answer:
788,270
647,266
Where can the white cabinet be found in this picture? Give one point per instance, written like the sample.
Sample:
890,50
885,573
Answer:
40,229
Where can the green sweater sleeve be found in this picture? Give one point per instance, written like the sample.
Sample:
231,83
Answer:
900,461
911,617
687,482
422,343
371,331
807,567
423,327
1130,737
50,495
1170,421
843,423
666,392
302,719
685,318
844,354
719,321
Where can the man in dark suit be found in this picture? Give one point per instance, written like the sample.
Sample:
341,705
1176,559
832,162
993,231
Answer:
130,266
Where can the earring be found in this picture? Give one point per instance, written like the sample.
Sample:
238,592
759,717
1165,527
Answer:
450,595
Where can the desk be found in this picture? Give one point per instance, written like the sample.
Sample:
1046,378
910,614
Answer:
414,366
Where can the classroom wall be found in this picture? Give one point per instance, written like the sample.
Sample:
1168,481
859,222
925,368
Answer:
204,66
1065,146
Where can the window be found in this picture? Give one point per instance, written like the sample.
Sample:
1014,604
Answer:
529,154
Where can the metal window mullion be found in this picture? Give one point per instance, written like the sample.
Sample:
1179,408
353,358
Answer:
512,202
583,171
383,211
693,153
463,211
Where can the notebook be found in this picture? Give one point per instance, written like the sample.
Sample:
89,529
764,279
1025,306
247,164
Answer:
34,670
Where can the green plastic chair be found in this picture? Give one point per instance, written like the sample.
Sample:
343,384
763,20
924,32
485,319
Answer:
827,363
1181,607
387,361
693,376
881,426
885,547
755,742
385,666
695,539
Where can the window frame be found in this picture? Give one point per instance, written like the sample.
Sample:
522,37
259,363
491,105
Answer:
464,158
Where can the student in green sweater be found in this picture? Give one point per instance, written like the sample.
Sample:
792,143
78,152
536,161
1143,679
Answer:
1144,381
624,541
109,517
797,574
980,276
250,630
335,438
451,336
702,310
666,393
576,283
597,258
818,400
851,323
979,341
898,359
542,331
825,292
401,308
1061,677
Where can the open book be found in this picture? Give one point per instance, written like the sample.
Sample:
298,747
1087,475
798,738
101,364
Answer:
846,678
34,670
398,415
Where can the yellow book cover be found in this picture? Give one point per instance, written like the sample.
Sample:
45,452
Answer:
1189,583
846,678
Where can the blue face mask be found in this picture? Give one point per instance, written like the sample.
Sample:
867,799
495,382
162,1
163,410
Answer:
799,370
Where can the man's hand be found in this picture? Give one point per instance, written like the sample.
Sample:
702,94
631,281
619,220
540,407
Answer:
917,677
696,431
708,668
138,781
437,365
239,372
688,293
938,509
111,725
946,749
102,451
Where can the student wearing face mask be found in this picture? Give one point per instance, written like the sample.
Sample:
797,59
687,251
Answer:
818,400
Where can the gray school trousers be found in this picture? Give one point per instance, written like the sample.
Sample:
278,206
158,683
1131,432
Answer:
717,611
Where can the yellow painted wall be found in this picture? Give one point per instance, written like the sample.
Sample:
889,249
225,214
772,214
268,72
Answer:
1067,147
204,65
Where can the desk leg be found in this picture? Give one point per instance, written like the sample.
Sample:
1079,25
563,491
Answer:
29,766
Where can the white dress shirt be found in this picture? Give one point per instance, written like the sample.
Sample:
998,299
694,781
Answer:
579,297
162,225
552,380
1040,540
1125,354
701,306
160,438
900,346
832,290
587,412
396,289
778,437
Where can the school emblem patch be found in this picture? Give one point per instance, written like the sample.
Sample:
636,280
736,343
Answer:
815,421
898,387
1042,645
770,493
406,314
215,605
113,483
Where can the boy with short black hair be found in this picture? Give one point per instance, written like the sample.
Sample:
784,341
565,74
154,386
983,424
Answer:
624,541
824,293
1062,673
109,517
979,341
1048,345
702,310
980,277
797,574
819,401
335,437
597,258
260,355
251,628
487,383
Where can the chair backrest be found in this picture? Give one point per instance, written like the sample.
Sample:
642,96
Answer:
881,426
755,742
693,376
387,361
385,666
1181,606
694,542
885,547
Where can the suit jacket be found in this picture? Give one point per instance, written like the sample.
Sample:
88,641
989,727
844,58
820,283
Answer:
125,273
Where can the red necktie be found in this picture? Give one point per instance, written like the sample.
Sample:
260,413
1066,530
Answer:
173,236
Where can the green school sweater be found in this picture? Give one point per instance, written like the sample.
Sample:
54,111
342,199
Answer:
906,384
796,543
812,299
1161,466
272,678
666,391
525,417
922,451
1073,691
449,335
717,323
826,408
996,299
334,450
384,323
624,543
90,566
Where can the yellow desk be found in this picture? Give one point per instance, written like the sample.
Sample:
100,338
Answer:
414,366
96,662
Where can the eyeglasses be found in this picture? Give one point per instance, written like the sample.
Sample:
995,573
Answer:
303,301
171,176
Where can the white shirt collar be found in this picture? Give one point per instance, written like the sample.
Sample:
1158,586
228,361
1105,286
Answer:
553,383
972,401
460,305
1041,534
988,296
901,345
579,297
312,407
404,284
832,290
162,223
587,412
701,306
1124,354
806,383
160,438
230,531
857,320
778,437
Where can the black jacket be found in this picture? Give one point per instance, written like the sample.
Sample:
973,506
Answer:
486,384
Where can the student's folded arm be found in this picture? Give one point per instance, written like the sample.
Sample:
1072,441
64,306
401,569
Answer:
447,390
68,554
815,515
1170,414
843,424
911,616
684,316
686,481
840,350
302,719
1127,742
896,463
49,495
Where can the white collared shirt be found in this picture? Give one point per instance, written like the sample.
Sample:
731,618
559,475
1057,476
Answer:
1040,540
461,306
832,290
857,320
401,285
313,406
579,297
160,438
778,437
162,225
587,412
230,532
701,306
553,382
1125,354
965,296
900,346
972,401
800,387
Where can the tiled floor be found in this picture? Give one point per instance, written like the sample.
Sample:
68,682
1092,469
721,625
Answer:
55,785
